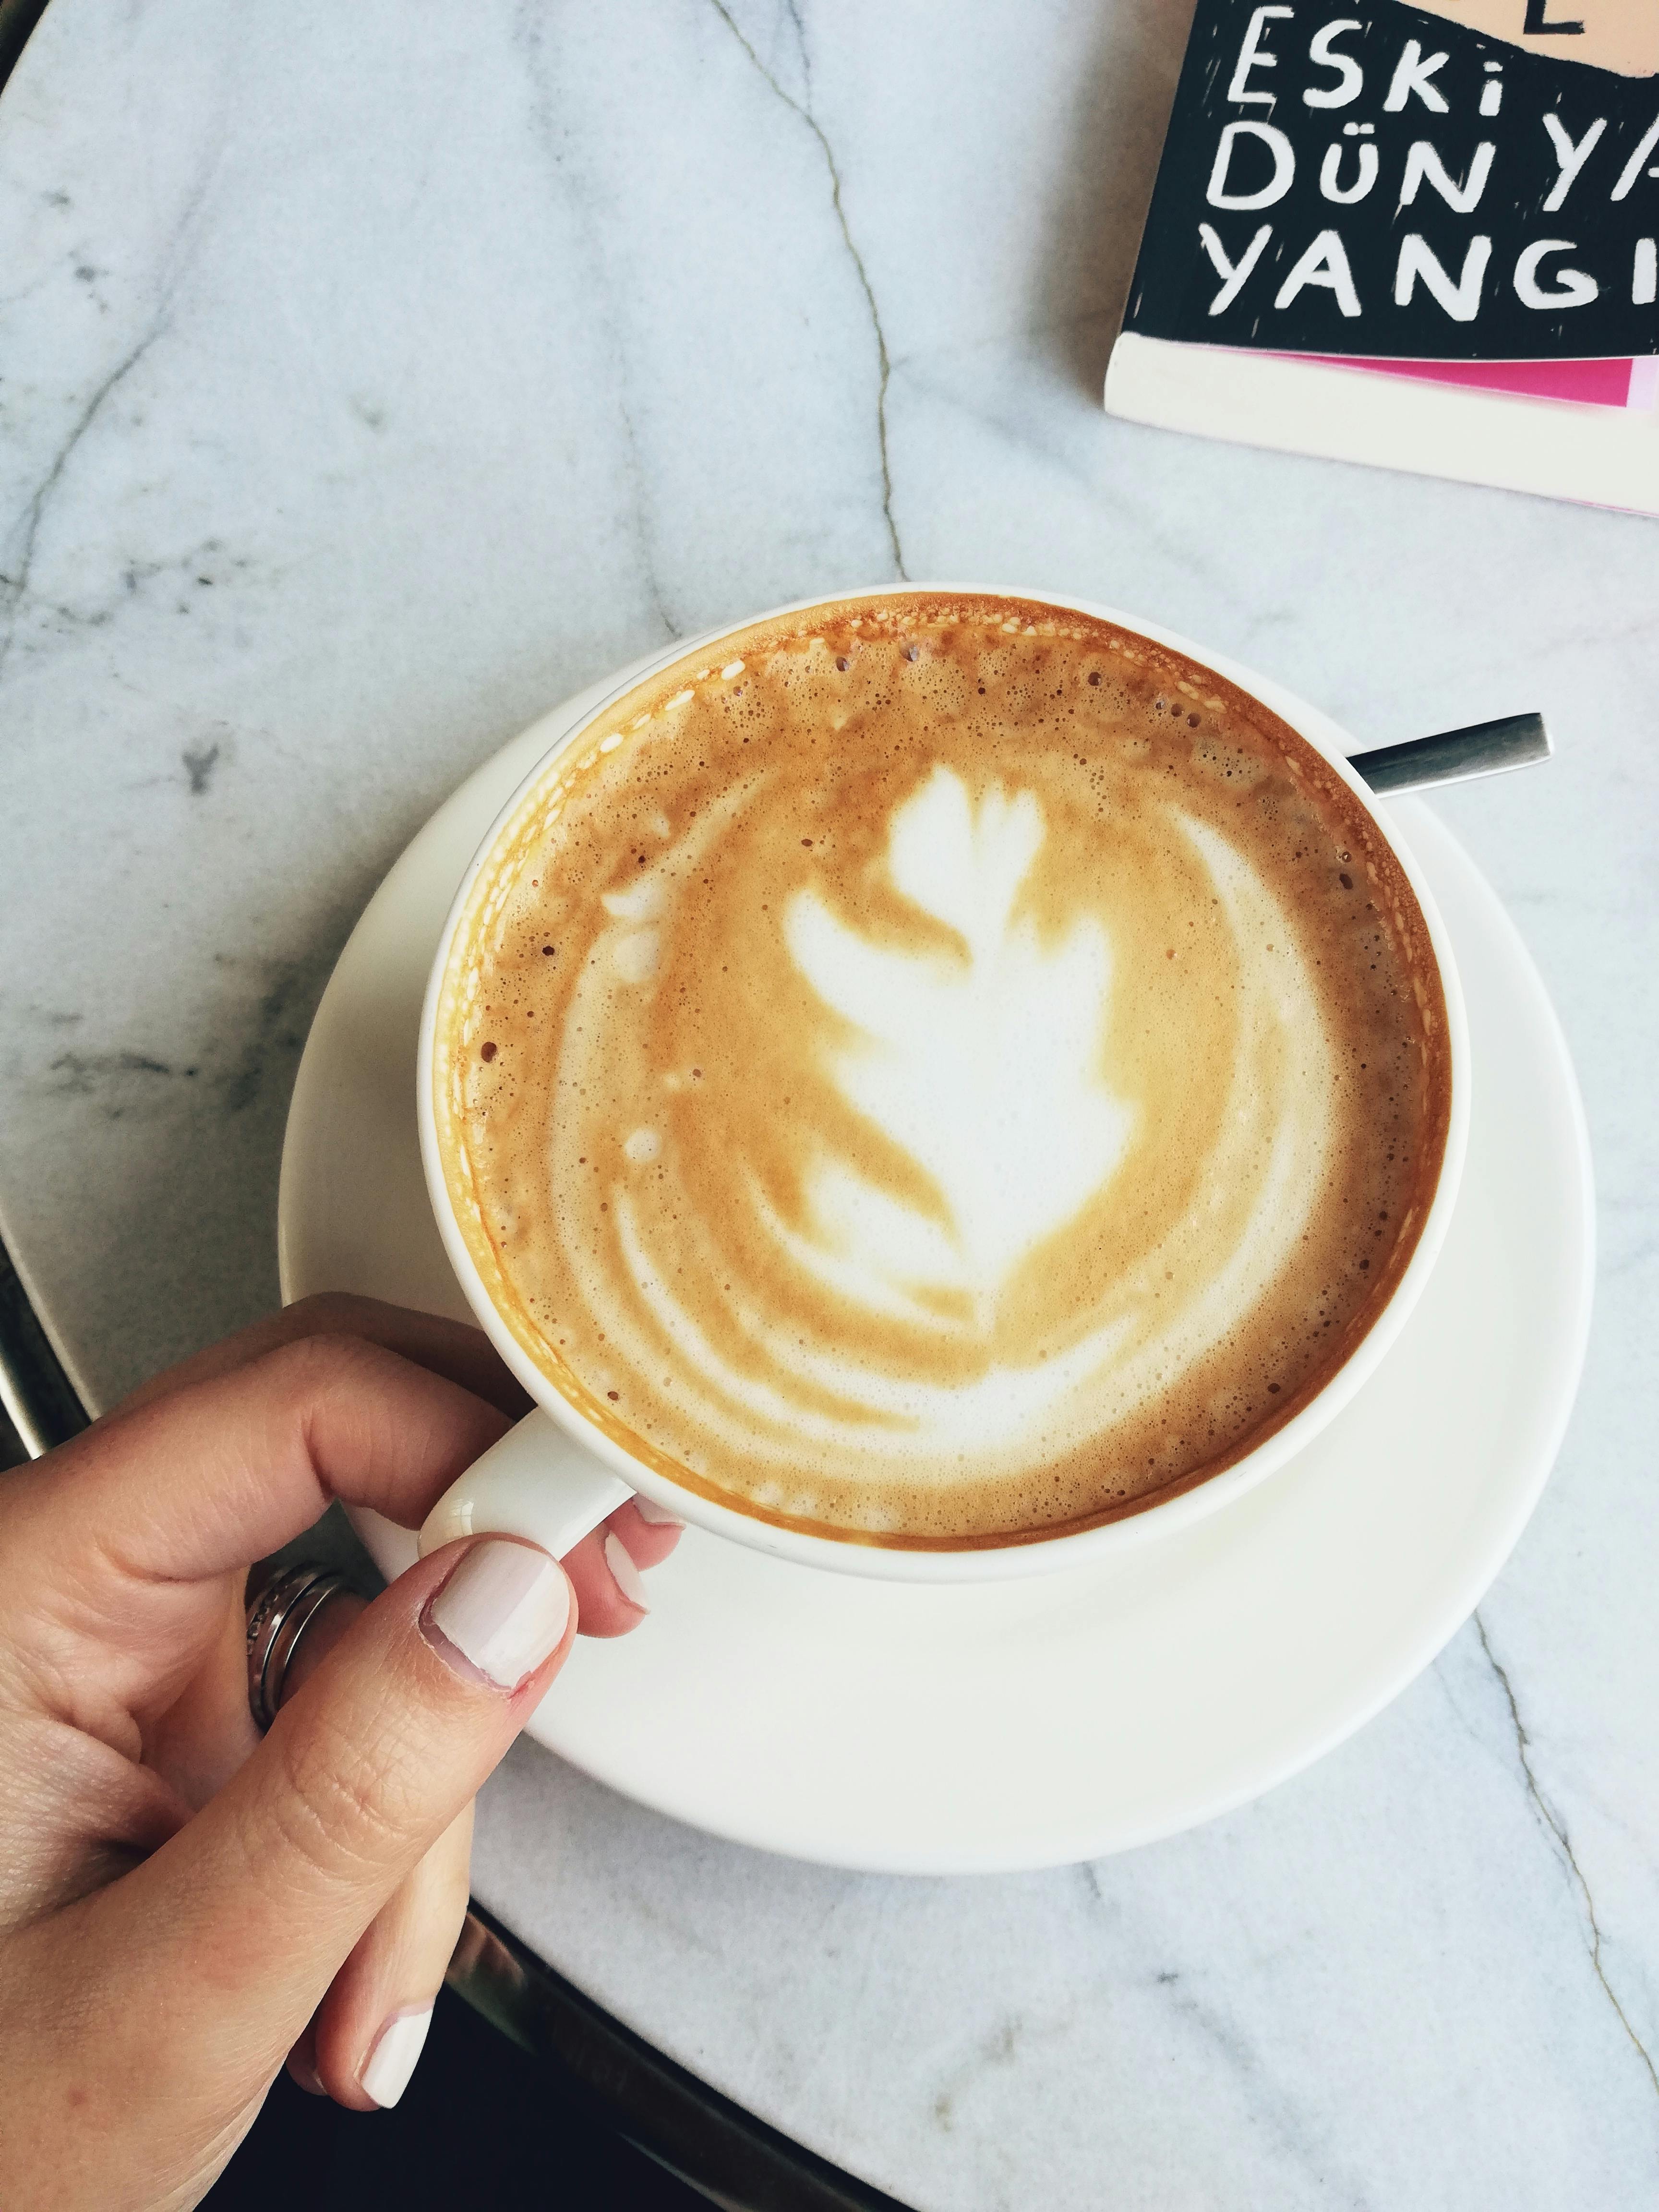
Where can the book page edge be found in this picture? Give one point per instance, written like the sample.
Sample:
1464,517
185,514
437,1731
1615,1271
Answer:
1602,457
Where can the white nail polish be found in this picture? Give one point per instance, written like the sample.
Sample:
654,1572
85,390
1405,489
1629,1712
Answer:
387,2070
625,1573
658,1517
505,1609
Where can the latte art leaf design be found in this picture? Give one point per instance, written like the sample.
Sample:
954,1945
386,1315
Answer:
983,1064
976,1055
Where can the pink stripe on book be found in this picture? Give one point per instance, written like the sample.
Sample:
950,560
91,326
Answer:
1590,383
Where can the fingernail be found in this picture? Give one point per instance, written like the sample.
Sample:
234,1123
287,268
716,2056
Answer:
659,1516
625,1573
505,1609
387,2070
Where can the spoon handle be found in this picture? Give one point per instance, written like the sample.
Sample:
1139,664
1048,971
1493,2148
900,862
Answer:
1455,756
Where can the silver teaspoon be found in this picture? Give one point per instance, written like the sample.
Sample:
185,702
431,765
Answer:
1455,755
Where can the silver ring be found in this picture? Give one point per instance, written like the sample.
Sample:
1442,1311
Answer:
277,1621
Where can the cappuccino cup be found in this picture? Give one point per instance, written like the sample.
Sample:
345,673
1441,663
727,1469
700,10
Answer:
936,1083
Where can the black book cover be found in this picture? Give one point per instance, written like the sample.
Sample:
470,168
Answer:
1388,181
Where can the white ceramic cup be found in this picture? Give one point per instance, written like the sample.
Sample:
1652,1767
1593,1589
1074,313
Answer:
556,1476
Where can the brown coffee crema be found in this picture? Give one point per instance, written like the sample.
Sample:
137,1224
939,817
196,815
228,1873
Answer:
940,1072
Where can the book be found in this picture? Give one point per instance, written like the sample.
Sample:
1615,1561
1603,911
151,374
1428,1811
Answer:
1422,236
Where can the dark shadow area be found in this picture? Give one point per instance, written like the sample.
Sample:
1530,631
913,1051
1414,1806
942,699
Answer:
12,1450
1125,88
17,19
478,2125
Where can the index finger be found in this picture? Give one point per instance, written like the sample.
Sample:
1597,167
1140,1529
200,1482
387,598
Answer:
452,1348
230,1469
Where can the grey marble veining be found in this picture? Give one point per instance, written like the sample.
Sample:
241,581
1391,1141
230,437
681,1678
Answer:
370,377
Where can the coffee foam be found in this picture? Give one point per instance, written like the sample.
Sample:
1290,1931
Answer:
947,1073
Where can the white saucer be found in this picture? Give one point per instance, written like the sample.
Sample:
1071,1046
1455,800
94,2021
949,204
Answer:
1001,1726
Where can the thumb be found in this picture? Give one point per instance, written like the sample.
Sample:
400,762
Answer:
248,1913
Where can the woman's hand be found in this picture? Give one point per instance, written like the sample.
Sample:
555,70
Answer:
183,1906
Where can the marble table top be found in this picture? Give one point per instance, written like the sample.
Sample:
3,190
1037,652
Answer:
373,377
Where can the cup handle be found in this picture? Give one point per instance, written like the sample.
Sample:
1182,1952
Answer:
538,1482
